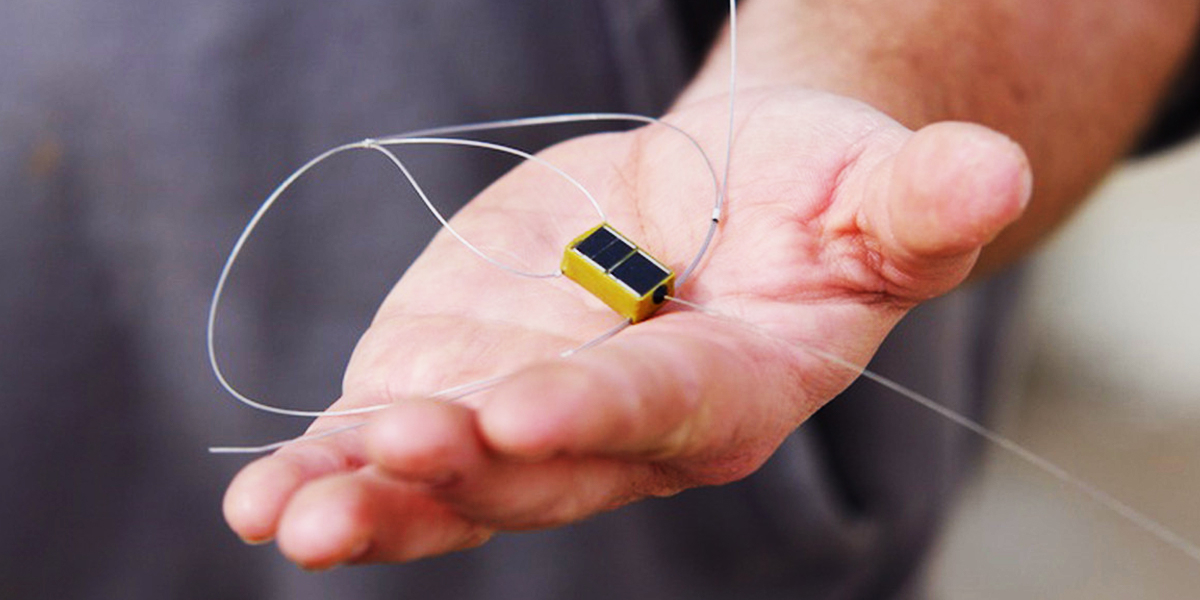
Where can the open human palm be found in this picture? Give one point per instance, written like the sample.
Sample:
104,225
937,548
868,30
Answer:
838,221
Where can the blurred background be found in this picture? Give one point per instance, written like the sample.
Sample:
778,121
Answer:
1105,382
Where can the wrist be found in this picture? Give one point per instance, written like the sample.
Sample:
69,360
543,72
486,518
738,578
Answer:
1072,81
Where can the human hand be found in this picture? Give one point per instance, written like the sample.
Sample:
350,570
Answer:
839,220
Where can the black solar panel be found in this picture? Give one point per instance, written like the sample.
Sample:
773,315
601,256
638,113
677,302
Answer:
640,273
613,254
593,244
604,248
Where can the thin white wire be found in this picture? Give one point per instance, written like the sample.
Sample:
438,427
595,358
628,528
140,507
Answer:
450,394
425,136
265,448
368,144
380,146
724,193
409,139
219,290
720,185
1104,499
596,341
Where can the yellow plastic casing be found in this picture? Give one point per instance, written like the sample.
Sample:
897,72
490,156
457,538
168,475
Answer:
615,270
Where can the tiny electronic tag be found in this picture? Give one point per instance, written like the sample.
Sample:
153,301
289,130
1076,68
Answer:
616,271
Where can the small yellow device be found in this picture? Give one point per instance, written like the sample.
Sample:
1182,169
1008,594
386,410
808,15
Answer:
616,271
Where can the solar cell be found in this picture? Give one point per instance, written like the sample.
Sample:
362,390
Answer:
640,273
613,254
593,244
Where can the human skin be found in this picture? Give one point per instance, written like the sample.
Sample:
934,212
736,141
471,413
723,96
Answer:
849,204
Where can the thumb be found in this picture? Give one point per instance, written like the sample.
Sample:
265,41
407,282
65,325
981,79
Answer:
948,191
